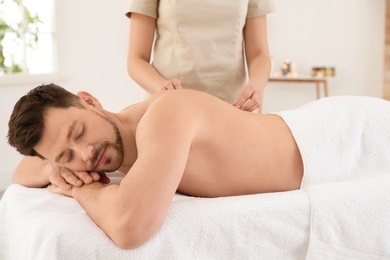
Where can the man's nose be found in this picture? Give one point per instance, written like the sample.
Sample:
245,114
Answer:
87,153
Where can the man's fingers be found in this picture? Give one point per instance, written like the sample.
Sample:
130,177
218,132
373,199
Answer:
59,180
84,177
95,176
51,188
55,189
71,178
89,177
64,185
58,190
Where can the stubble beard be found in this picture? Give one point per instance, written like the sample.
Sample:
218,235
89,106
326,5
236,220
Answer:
114,159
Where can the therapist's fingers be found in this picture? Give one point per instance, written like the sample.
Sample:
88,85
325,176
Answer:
249,105
176,83
252,103
172,84
168,86
244,95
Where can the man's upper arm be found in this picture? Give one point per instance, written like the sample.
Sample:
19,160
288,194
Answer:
164,137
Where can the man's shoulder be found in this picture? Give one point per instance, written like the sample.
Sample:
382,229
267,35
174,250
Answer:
183,105
181,94
177,100
172,113
170,103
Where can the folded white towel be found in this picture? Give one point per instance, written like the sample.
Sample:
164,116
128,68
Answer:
351,220
345,143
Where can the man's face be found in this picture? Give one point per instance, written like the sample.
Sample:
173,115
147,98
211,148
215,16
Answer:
81,140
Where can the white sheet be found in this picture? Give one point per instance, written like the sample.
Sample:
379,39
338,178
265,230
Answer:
40,225
341,220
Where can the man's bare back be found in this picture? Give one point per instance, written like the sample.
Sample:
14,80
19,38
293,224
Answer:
232,152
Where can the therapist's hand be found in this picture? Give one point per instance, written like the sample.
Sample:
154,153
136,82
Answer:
65,178
250,98
172,84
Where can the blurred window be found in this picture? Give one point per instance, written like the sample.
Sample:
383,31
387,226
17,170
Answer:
26,37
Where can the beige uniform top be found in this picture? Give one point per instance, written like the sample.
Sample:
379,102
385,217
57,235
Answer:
201,42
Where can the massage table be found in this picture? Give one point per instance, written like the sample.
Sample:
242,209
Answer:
343,220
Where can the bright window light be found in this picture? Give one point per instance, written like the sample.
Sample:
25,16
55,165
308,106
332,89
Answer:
26,37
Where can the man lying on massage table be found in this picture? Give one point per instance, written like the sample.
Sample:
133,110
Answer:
183,141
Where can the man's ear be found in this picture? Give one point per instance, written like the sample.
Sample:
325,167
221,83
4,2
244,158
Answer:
89,101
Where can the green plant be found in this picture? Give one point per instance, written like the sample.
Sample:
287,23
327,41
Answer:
29,25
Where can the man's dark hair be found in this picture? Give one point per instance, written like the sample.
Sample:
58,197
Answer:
26,123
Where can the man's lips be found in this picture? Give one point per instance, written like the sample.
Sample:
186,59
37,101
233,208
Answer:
102,158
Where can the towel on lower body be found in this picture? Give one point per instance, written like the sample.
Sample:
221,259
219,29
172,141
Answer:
341,138
345,148
351,220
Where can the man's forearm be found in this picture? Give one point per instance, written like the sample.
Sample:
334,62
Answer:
30,172
125,219
101,202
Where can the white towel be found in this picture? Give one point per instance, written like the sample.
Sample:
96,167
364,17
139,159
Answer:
341,138
351,220
345,144
41,225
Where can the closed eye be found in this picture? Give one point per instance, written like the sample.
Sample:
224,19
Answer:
80,134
